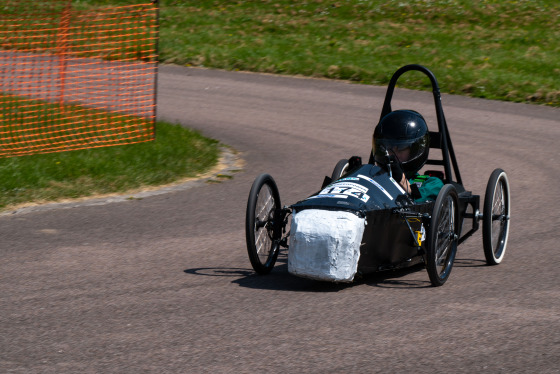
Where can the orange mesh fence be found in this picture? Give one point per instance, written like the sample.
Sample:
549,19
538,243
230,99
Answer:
71,79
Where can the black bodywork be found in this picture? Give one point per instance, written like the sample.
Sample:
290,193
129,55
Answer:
391,235
393,218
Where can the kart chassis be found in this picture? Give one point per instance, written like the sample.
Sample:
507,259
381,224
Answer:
449,221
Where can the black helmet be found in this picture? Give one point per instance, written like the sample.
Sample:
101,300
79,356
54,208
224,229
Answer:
403,134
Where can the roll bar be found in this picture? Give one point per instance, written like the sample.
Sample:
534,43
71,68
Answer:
438,139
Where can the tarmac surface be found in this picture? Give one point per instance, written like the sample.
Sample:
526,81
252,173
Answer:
162,283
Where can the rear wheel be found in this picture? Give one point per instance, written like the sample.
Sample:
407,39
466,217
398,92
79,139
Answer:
340,169
262,229
442,236
495,217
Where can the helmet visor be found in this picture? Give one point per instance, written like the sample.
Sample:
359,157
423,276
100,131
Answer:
403,150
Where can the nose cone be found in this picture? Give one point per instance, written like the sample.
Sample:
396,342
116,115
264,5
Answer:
325,244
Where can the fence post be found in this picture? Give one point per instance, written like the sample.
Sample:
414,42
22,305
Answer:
62,49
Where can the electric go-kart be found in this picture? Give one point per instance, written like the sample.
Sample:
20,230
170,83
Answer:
363,221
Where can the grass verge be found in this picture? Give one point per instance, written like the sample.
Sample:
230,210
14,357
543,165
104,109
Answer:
176,153
507,50
494,49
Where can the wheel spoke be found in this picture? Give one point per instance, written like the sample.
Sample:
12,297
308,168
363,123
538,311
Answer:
265,206
498,210
264,209
445,235
261,241
440,258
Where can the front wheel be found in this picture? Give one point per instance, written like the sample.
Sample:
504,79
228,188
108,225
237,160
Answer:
443,236
495,217
340,169
262,224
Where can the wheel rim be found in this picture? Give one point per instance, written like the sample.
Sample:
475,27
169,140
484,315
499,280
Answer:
263,230
499,220
344,170
445,238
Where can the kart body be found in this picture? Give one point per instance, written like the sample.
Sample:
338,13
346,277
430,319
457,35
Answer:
388,238
363,221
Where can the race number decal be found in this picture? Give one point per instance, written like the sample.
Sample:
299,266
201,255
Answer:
346,189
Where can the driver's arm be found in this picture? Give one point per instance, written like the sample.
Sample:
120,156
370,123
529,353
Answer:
404,183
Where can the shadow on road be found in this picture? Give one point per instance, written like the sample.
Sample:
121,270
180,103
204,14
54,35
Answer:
280,280
396,278
469,262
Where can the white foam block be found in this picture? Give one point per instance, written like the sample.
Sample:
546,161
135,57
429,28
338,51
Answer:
325,244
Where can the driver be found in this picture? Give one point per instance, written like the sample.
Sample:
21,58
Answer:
402,140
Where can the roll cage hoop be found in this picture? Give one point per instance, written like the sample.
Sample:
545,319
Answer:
438,139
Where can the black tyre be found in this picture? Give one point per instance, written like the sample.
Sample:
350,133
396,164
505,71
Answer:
495,217
340,169
261,226
443,236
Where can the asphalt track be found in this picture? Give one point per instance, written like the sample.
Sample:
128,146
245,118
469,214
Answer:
162,284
